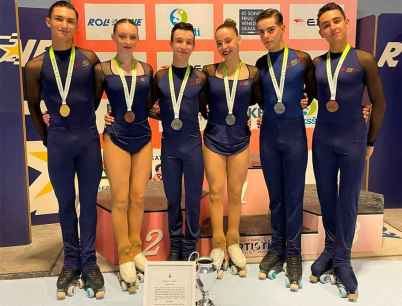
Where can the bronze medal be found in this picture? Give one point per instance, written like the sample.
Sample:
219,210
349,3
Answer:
129,117
332,106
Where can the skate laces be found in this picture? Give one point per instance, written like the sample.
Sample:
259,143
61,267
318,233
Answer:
293,261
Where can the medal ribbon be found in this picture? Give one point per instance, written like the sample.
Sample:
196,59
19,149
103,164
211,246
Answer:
63,91
230,96
129,95
279,88
177,102
333,80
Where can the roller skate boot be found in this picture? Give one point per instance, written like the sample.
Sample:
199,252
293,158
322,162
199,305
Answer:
67,282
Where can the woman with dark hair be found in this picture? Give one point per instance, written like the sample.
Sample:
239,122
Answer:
232,87
342,141
127,146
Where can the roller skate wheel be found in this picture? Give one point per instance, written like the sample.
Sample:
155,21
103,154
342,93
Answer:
61,295
123,285
70,290
352,297
100,294
342,291
132,289
272,274
225,265
294,287
325,278
219,274
90,292
234,270
262,275
243,273
80,283
313,279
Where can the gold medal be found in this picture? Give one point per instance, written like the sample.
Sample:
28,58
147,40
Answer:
332,106
64,110
129,117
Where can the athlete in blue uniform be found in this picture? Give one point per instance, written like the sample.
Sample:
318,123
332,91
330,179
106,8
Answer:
127,145
180,90
232,88
342,141
63,77
285,75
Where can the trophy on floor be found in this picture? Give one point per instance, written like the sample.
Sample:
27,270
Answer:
205,279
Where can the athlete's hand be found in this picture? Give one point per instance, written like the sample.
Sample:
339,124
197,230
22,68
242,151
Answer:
304,101
109,119
46,118
366,110
156,108
259,121
369,152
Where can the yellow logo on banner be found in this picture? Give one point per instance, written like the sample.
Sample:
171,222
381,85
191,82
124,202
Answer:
10,49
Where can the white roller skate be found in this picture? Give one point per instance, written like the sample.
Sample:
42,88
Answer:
140,261
219,262
128,277
237,260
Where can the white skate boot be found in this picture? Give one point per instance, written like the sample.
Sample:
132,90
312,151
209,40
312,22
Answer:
218,258
128,277
237,260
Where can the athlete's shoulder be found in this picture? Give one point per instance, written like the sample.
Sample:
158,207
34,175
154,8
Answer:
364,55
320,58
35,64
161,72
89,54
261,61
210,69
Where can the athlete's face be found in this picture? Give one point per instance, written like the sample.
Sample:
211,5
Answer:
271,33
227,42
125,37
182,44
333,26
62,23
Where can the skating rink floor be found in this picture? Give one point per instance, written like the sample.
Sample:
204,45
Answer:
379,284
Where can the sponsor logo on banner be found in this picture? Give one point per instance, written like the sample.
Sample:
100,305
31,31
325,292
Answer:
390,54
247,21
179,15
254,246
9,49
100,19
245,15
303,23
170,14
33,48
310,114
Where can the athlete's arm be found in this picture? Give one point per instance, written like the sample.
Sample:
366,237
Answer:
32,87
376,94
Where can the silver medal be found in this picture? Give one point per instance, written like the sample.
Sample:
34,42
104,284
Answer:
176,124
279,108
230,119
